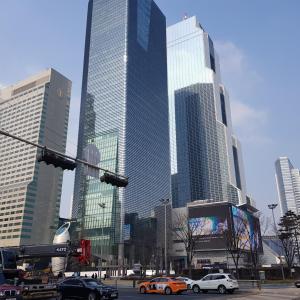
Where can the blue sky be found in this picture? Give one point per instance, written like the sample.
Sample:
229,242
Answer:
258,43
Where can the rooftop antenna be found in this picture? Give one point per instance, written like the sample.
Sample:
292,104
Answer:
185,17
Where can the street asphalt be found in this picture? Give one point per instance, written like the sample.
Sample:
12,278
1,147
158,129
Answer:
270,293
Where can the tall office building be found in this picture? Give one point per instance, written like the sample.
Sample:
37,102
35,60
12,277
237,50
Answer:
36,109
124,113
288,185
206,159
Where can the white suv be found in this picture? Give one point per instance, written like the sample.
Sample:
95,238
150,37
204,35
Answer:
220,282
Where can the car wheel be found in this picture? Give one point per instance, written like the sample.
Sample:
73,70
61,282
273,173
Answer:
196,289
60,296
142,290
92,296
168,291
222,289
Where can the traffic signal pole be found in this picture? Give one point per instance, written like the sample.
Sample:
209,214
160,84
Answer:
114,175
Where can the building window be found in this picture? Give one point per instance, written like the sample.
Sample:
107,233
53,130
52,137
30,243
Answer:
211,54
143,22
223,109
237,167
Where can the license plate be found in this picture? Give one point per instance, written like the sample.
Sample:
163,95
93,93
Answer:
113,295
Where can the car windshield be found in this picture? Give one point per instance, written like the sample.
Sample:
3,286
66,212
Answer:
231,277
92,282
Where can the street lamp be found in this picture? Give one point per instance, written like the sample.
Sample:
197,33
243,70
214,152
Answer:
165,202
272,207
102,205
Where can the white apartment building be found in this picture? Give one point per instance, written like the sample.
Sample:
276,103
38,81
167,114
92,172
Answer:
36,109
288,185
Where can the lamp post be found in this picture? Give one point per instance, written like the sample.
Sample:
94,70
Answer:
102,205
272,207
165,202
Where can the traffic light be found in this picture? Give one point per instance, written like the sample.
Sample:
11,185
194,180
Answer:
115,180
51,158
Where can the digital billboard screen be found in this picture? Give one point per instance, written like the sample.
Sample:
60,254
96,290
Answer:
209,224
246,226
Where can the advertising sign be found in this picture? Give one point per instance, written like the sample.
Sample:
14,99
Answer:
209,223
247,227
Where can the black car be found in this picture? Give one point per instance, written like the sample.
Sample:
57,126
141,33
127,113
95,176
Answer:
85,288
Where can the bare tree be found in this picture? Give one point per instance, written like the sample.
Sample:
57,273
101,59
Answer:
254,248
189,233
289,248
236,242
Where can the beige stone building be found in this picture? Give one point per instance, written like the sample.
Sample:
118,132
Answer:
36,109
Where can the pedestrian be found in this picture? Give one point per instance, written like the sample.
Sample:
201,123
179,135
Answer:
96,276
93,276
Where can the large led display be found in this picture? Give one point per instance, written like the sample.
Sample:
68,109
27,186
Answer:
209,223
212,225
246,227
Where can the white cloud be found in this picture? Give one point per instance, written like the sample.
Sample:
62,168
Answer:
235,66
243,81
242,114
249,122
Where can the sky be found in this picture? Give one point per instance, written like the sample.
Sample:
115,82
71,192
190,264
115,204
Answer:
258,44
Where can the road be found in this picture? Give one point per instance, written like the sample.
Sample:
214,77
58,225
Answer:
272,293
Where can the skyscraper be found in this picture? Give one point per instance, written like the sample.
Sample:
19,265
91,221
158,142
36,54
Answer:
36,109
288,185
124,113
206,160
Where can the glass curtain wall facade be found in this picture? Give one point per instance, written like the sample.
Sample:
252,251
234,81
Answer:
124,113
288,185
201,140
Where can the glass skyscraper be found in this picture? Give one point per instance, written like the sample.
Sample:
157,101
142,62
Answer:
288,185
124,113
206,159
